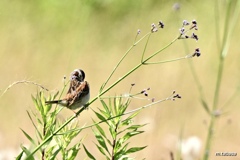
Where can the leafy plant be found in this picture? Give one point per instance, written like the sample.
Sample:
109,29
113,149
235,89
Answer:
55,137
120,129
45,125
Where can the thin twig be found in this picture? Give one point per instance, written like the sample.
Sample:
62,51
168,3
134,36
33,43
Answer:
171,97
25,82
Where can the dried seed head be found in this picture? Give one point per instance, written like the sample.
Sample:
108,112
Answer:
138,31
194,36
197,52
153,99
143,91
161,24
194,22
182,30
153,28
185,23
145,94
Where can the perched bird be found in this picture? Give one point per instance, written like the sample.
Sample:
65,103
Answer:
78,93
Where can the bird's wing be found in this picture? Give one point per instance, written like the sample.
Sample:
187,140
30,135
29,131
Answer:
81,91
74,84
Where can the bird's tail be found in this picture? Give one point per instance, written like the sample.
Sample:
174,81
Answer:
52,102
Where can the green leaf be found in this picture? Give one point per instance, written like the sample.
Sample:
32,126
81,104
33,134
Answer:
88,153
53,156
55,95
100,140
28,137
107,115
129,135
117,103
121,151
101,131
106,107
27,152
38,132
74,151
100,149
135,127
135,149
205,106
128,120
112,129
39,121
99,116
102,86
19,156
35,102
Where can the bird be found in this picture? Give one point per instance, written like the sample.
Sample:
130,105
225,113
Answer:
78,93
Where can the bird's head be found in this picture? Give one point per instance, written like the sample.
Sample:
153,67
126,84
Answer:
77,74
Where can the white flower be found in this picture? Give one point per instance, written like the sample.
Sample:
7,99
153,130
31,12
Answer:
190,148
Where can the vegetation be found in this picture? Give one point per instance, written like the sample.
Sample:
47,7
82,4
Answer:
78,33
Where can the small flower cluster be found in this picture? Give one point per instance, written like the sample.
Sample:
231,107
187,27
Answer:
183,31
154,28
138,31
144,92
174,96
196,53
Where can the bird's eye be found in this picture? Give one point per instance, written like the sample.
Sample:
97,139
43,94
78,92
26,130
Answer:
76,74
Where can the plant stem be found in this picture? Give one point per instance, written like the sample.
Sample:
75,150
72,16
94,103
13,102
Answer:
99,95
223,53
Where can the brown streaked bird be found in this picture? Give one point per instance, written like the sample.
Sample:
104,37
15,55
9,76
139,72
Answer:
78,93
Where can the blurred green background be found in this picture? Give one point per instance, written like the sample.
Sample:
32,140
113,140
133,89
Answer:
43,41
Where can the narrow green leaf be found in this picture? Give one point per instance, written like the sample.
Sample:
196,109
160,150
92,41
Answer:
123,108
53,156
135,127
129,135
101,88
121,151
19,156
35,102
111,107
101,131
99,116
100,140
74,151
39,121
128,120
100,149
107,115
105,107
205,106
27,152
112,129
38,132
135,149
28,137
116,102
88,153
55,95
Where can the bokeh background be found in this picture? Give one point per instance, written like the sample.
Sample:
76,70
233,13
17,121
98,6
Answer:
43,41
